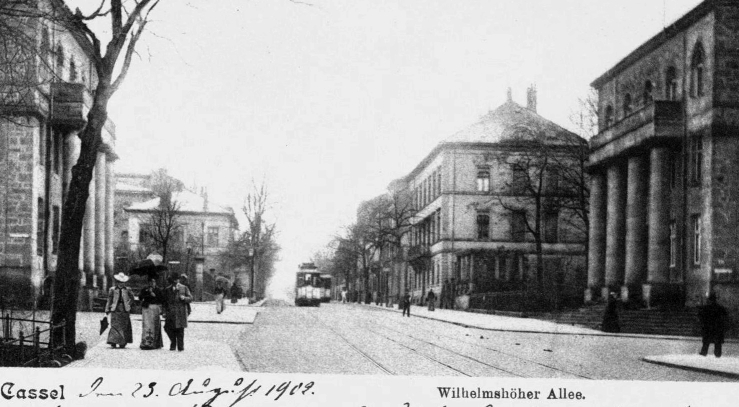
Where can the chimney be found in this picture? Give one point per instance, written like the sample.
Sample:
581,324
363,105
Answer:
510,94
531,98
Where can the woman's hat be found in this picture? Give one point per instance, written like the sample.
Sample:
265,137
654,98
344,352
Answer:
122,277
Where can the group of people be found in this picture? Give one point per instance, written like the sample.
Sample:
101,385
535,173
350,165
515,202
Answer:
172,304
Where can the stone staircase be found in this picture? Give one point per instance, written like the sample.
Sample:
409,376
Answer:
680,322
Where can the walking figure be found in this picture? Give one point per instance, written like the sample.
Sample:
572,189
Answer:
431,297
713,325
407,304
343,296
610,316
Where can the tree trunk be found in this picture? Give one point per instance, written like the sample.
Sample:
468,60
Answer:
67,279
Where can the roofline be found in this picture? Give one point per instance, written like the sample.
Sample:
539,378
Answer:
209,213
667,33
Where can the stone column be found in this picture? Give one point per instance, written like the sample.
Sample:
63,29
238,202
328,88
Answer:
597,243
615,226
636,227
100,209
109,214
658,260
89,236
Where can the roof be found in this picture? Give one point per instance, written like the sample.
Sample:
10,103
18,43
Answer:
510,123
188,201
669,32
123,187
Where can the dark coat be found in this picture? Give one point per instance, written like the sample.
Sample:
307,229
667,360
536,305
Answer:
610,317
407,300
150,295
713,322
176,298
431,296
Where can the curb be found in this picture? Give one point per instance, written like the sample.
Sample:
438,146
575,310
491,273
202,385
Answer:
693,368
595,333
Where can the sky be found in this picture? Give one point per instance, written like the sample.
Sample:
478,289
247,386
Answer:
330,102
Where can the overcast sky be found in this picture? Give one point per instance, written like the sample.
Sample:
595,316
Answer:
331,102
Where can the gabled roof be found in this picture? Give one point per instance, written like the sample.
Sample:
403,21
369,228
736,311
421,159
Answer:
188,202
509,124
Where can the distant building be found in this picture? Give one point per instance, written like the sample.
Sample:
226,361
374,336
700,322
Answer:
473,200
206,229
664,169
40,119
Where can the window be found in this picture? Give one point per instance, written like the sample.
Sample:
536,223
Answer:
647,95
55,138
55,222
673,170
59,59
551,181
143,234
671,83
40,243
628,108
483,180
673,244
697,71
518,226
213,236
608,118
72,70
696,160
483,226
551,221
696,221
42,130
519,178
438,180
438,224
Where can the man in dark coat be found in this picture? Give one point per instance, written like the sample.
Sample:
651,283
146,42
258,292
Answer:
177,297
407,304
610,316
713,325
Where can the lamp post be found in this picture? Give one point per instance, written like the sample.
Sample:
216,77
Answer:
251,265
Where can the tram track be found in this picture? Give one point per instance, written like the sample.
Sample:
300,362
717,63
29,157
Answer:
514,356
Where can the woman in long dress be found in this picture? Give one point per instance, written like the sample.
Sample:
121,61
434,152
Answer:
118,306
152,299
220,293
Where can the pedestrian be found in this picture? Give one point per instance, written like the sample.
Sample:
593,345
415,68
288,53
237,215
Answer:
184,281
220,293
235,292
407,304
343,295
431,298
713,325
444,293
152,299
118,306
176,296
610,316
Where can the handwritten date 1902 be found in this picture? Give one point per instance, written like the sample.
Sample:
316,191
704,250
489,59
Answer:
231,395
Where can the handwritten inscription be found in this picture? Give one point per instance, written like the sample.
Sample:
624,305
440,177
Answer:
230,395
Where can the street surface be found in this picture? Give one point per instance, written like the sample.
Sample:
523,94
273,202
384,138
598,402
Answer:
355,339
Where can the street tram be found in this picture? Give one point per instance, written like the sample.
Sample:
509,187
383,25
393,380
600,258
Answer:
308,287
326,287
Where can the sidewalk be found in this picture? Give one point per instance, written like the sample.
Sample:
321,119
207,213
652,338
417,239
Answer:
199,354
724,366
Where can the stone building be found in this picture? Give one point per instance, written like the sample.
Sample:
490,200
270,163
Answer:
664,203
204,231
474,200
40,119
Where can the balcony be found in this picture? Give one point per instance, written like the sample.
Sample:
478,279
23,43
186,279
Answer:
70,104
416,252
658,121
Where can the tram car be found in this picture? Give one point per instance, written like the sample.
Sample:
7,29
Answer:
326,285
308,287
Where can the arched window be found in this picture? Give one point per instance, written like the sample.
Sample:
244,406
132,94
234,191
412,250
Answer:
59,59
647,95
608,118
627,104
697,71
72,70
671,83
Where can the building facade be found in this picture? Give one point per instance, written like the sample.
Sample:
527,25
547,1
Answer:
489,210
664,166
40,119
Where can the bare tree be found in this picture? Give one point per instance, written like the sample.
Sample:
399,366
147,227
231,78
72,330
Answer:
163,227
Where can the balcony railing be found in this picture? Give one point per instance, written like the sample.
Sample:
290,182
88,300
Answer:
70,104
661,119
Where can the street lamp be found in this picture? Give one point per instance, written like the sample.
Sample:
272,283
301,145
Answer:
251,282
